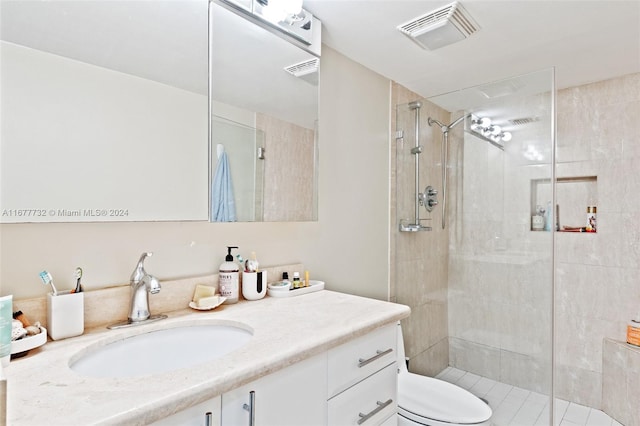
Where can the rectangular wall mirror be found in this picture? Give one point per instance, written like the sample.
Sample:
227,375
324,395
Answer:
264,101
104,111
105,116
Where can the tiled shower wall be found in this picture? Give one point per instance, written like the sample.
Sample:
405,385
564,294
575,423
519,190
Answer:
419,259
289,196
598,275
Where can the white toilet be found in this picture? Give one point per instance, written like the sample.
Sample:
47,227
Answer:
424,400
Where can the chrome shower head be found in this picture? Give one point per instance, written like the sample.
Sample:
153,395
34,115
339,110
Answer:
431,121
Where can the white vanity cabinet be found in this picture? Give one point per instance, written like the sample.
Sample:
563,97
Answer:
204,414
363,380
352,384
294,396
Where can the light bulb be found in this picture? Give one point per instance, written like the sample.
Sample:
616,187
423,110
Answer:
495,130
485,122
506,136
275,11
292,7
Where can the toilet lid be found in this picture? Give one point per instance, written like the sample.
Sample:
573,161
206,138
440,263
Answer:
436,399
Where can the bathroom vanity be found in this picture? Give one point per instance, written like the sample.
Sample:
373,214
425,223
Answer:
318,359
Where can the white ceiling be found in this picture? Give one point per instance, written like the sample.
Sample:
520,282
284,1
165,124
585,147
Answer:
585,41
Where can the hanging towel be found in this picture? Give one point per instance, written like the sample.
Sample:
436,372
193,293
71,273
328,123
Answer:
223,205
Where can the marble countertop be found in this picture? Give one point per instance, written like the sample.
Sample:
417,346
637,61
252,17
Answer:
43,390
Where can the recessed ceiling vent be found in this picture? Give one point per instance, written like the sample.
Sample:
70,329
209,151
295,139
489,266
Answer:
524,120
440,27
306,70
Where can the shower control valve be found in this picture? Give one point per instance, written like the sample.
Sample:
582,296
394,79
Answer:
429,198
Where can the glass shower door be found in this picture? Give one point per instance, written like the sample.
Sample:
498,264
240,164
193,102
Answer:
498,269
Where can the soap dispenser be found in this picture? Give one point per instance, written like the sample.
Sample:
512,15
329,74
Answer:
228,277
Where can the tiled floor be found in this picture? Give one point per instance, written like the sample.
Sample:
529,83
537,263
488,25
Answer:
514,406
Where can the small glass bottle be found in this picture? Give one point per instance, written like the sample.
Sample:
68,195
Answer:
591,219
296,280
285,279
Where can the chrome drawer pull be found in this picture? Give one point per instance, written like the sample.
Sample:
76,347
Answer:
381,406
251,408
208,418
379,354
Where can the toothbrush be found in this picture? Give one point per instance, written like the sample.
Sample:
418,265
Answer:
47,279
251,265
78,276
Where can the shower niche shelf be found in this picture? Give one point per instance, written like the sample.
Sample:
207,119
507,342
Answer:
573,195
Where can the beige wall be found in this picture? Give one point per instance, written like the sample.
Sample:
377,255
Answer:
597,287
347,247
420,259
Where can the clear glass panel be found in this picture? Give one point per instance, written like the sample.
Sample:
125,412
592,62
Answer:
481,291
246,169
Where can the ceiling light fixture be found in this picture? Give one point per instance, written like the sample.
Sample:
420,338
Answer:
287,16
277,11
483,126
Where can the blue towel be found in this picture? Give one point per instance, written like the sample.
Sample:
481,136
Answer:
223,205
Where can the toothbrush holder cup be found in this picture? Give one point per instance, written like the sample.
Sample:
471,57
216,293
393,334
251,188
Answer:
254,285
65,315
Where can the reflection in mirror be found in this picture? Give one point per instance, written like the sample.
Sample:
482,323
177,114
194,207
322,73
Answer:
264,119
104,111
248,191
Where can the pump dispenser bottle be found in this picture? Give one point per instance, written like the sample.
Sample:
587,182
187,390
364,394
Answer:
228,277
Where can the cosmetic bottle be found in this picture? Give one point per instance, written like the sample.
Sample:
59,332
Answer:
6,317
547,217
296,280
591,219
285,279
633,331
228,277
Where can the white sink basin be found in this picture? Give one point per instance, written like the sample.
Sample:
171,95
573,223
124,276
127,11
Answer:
159,351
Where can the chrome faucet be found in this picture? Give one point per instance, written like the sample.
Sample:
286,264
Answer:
141,285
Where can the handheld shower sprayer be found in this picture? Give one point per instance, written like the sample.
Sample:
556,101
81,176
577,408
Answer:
444,154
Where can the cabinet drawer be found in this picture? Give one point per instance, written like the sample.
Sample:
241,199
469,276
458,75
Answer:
194,416
391,421
357,360
369,403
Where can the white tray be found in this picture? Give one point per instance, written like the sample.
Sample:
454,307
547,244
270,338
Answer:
314,285
27,343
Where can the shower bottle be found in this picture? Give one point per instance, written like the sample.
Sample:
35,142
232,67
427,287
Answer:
547,217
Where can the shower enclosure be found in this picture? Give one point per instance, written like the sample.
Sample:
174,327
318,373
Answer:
480,283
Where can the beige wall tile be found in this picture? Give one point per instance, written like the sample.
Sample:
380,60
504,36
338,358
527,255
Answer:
621,382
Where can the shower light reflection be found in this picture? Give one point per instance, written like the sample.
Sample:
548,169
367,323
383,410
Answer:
483,126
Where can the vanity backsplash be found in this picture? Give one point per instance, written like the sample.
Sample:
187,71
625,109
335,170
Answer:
106,305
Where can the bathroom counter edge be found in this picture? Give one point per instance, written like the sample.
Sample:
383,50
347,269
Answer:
42,388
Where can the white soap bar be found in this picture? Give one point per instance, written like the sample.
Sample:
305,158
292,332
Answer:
203,291
205,302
